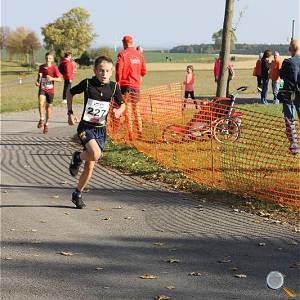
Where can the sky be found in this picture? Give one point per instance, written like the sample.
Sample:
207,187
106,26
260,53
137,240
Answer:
163,23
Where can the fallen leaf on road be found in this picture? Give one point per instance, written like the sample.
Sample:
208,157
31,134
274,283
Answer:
99,268
224,261
43,221
64,182
261,244
12,229
106,219
5,192
55,197
7,258
162,297
143,209
128,218
149,276
170,287
173,260
195,274
158,244
293,243
296,229
117,207
66,253
240,275
290,292
257,221
99,209
295,265
33,230
66,213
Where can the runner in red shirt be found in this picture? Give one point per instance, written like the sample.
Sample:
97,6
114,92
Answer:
68,73
130,67
48,73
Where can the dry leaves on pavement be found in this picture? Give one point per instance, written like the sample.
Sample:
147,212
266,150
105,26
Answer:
240,275
149,276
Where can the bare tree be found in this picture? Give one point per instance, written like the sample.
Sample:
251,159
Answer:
4,33
225,50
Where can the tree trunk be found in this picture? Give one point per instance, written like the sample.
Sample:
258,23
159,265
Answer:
225,51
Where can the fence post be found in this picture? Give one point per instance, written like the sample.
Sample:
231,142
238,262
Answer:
154,133
211,145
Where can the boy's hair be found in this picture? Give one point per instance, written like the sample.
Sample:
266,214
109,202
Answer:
190,67
49,53
67,54
100,59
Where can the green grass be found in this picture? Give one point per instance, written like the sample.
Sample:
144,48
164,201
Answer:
130,160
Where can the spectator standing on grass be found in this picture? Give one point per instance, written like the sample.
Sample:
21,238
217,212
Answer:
265,66
217,67
66,68
257,71
48,73
130,67
275,66
189,81
289,96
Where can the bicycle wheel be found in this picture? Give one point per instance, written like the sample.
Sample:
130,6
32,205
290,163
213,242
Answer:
169,136
226,130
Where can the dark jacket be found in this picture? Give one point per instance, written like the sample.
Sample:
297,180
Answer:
265,66
290,73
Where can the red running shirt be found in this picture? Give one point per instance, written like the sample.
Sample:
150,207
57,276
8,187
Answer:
45,84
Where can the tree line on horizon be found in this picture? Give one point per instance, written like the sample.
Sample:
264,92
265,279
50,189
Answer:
250,49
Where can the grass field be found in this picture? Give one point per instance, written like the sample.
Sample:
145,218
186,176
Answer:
16,97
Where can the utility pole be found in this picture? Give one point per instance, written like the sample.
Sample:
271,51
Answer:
293,29
225,50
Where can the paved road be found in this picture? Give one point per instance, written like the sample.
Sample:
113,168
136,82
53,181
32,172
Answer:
130,227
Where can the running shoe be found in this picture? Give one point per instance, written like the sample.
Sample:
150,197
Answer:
64,101
77,199
45,130
40,124
75,164
259,89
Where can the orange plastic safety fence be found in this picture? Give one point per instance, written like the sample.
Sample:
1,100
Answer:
215,144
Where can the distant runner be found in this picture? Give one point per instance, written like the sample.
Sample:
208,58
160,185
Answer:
98,94
48,73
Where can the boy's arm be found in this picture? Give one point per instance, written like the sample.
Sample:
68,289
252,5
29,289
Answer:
77,89
119,100
119,67
38,80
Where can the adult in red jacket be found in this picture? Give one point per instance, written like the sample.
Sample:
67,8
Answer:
68,73
130,67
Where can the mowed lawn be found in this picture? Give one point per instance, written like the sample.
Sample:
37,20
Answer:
17,97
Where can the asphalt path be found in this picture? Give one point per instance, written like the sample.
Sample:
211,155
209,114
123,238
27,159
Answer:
130,228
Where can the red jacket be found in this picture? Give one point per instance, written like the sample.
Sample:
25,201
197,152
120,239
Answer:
130,67
69,69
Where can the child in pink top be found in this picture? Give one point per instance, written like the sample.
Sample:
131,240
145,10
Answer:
189,81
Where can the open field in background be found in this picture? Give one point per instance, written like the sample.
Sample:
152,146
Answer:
22,97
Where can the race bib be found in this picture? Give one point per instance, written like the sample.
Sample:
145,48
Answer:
96,111
46,84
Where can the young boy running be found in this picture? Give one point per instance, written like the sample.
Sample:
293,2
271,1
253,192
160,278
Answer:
98,94
48,73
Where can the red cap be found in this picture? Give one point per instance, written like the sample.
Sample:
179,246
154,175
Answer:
127,39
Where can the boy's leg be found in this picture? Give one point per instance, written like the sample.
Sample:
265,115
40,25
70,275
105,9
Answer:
90,156
49,109
41,104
